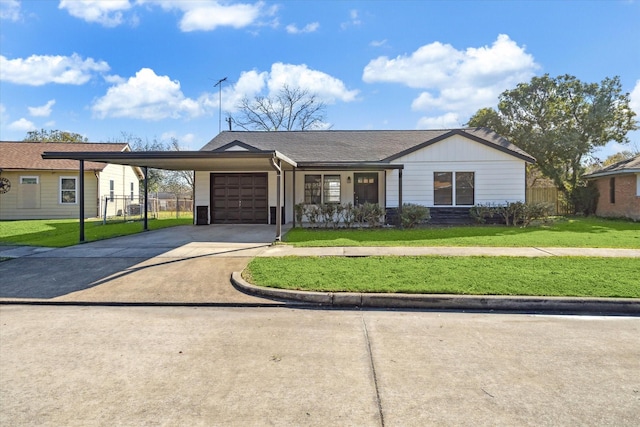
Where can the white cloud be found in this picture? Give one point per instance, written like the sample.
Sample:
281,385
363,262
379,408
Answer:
445,121
146,96
354,20
207,15
106,13
38,70
378,43
634,98
309,28
43,111
328,88
455,81
23,125
10,10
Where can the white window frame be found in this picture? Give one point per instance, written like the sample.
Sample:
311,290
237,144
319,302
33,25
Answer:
23,177
60,190
131,192
638,184
454,188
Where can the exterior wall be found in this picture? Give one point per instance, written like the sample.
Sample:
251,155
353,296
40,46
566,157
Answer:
122,177
499,177
43,201
627,197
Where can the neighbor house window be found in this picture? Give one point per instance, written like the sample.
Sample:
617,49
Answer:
638,185
312,189
612,190
331,189
112,190
68,186
448,184
131,192
29,180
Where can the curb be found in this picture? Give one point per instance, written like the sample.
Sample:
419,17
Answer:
620,306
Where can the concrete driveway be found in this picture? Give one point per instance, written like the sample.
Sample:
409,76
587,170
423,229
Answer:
187,264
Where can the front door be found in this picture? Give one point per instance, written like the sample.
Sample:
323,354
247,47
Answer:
239,198
365,189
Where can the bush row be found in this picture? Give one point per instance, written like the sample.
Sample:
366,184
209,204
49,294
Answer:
372,215
515,214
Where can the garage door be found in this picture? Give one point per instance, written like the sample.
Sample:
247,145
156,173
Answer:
239,198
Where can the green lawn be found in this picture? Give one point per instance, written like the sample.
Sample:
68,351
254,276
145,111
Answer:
564,232
544,276
66,232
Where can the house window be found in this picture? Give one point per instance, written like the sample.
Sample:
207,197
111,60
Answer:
68,186
443,188
331,189
112,190
612,190
448,184
29,180
131,192
321,189
312,189
638,185
464,188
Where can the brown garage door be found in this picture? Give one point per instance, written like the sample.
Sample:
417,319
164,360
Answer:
239,198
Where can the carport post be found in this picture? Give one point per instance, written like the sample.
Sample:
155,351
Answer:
278,168
146,198
294,198
399,196
81,201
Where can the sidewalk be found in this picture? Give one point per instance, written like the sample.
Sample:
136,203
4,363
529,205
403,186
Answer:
359,251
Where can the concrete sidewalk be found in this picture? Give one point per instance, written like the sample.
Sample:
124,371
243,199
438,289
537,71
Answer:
359,251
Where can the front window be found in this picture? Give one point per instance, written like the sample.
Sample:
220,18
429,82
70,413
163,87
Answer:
312,189
131,192
464,188
443,188
612,190
331,189
448,184
68,186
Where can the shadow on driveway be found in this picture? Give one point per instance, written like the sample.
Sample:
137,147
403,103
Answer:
179,264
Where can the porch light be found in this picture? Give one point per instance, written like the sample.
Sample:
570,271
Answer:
348,180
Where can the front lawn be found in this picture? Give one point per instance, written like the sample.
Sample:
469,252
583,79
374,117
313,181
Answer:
66,232
543,276
563,232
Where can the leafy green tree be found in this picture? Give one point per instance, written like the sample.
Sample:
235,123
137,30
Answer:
561,121
618,157
44,135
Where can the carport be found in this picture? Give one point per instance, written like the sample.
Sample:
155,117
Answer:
225,161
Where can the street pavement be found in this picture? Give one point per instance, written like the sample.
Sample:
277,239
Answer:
285,366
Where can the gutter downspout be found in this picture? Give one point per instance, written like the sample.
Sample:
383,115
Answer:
275,163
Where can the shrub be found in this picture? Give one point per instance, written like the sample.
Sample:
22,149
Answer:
373,214
299,209
413,215
585,198
480,213
313,214
328,210
512,213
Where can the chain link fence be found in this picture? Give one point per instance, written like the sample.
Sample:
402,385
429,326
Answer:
126,208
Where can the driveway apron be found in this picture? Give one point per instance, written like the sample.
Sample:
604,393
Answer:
187,264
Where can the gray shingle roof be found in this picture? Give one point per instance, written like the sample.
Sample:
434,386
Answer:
625,166
356,145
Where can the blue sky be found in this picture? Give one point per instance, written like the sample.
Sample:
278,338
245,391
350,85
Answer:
148,67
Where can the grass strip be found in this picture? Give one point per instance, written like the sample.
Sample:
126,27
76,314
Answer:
66,232
542,276
572,232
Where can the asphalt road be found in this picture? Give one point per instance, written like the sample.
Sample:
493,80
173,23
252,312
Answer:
255,366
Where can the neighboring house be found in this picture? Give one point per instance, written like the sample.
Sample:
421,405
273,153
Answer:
442,169
33,188
619,187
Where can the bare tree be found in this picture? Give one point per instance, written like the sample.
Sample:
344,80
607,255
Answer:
289,109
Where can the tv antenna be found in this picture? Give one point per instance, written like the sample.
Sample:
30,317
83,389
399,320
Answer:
219,85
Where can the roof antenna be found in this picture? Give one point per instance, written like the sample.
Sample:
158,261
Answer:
219,84
228,120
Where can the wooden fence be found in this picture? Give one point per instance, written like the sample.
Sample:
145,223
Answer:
551,196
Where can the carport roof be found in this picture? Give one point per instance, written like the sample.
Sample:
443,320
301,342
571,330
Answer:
182,160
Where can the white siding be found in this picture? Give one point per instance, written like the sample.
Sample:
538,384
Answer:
122,177
499,177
